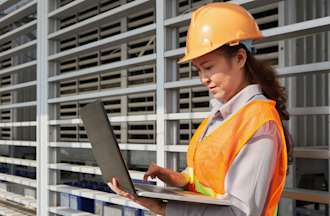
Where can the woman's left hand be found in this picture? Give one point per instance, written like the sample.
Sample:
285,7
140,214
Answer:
154,205
114,185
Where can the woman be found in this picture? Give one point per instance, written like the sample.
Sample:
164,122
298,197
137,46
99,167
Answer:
239,151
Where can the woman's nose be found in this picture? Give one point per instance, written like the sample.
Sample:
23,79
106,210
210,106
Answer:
205,80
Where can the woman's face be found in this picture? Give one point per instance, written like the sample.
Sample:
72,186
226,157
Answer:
222,76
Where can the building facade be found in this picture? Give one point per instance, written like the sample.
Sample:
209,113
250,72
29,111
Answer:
58,55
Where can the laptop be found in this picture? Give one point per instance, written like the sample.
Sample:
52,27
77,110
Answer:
107,154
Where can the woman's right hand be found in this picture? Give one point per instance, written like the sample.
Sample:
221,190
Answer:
168,176
153,171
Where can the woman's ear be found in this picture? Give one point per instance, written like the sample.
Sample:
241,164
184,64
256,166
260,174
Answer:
241,58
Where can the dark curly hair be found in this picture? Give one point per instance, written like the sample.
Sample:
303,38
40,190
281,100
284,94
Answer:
262,73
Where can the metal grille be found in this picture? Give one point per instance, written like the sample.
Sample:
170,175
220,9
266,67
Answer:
124,53
17,116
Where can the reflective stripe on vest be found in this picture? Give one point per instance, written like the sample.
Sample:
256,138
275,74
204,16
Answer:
208,160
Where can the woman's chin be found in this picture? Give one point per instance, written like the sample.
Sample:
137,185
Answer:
219,96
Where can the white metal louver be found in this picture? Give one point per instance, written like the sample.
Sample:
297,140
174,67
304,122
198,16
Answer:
124,52
17,114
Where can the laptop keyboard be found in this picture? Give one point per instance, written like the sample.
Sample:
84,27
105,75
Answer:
155,189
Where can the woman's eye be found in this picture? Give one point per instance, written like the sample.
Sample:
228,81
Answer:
208,67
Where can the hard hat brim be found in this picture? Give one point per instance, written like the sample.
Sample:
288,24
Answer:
187,58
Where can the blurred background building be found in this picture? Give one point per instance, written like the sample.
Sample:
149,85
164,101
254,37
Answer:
58,55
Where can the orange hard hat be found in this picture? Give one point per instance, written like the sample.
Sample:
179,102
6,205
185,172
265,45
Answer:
216,24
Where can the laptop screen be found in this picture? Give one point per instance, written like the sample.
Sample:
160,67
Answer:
104,145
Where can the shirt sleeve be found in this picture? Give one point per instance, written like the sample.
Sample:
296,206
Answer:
247,180
187,173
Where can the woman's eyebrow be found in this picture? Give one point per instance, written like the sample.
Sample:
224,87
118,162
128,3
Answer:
203,62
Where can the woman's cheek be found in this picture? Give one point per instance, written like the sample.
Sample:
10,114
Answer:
220,94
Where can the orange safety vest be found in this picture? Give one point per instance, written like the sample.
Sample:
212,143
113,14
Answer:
209,160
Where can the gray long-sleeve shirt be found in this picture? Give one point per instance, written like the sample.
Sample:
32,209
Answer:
248,179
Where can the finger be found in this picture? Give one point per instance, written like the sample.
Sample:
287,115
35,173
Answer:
114,182
110,185
145,177
115,187
118,188
150,172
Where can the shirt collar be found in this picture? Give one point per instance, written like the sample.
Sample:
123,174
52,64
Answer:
223,110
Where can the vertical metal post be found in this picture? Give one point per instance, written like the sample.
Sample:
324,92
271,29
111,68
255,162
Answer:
124,84
53,109
328,99
160,80
322,78
301,8
286,58
172,95
42,107
312,14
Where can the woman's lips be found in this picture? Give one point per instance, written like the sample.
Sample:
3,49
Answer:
211,89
